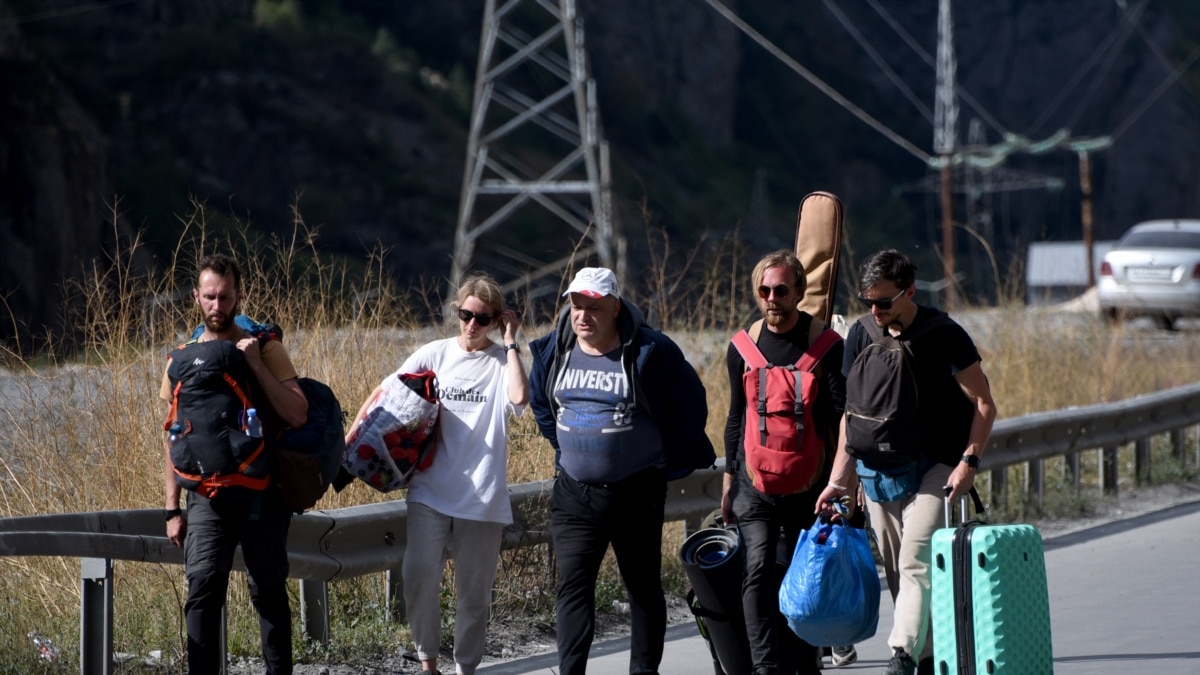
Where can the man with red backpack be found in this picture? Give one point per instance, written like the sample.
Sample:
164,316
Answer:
787,393
216,452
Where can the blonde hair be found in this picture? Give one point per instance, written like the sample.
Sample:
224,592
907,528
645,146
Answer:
485,288
781,258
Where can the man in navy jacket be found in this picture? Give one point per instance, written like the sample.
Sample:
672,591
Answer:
625,412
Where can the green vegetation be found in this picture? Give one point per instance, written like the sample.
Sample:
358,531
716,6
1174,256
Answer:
82,425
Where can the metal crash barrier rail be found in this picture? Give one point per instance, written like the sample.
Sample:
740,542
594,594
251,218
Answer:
325,546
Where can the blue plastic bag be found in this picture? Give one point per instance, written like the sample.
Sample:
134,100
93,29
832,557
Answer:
830,594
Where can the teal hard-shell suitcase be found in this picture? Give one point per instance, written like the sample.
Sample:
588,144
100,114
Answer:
990,603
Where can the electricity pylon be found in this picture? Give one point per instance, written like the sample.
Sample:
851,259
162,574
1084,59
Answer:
535,157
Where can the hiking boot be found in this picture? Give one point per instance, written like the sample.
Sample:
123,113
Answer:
900,664
843,656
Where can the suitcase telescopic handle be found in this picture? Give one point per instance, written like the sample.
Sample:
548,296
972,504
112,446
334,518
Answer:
962,506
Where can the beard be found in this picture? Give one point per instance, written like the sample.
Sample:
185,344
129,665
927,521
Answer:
220,323
781,316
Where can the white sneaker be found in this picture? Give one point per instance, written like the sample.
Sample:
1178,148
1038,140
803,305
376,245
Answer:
843,656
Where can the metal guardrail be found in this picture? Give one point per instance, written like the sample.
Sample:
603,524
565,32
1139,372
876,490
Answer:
335,544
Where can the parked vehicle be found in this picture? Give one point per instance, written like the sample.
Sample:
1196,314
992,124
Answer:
1154,270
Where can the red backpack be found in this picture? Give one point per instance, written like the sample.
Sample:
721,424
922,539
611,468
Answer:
785,449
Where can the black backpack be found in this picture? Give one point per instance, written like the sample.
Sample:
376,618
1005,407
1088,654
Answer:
306,459
882,424
212,390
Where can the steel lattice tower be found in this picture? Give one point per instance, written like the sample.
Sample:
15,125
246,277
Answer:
535,159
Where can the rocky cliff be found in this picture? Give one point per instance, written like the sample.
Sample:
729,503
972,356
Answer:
357,111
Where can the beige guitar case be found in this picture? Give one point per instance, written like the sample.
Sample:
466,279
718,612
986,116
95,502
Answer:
819,248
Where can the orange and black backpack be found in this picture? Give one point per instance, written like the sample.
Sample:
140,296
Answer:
784,446
211,450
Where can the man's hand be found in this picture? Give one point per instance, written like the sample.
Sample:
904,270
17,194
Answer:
727,501
961,480
177,530
249,347
831,494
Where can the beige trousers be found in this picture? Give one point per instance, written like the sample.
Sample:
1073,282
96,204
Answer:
903,531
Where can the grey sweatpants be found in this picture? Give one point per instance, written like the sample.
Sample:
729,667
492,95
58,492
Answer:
476,547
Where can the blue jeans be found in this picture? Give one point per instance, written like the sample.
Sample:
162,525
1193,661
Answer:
584,520
215,528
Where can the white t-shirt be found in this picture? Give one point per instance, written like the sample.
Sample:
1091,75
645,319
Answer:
468,478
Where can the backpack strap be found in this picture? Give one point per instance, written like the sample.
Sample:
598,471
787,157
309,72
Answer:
817,350
745,344
754,358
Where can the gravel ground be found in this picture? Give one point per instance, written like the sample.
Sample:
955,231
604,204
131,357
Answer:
512,639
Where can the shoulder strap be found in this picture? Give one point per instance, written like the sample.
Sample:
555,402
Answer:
817,350
748,349
873,330
755,330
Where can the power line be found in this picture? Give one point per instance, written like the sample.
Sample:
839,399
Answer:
1162,88
963,94
1079,74
818,82
879,60
1082,103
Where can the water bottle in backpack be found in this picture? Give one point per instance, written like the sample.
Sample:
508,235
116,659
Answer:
253,424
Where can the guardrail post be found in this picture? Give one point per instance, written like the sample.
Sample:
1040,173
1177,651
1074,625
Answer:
1071,464
96,617
1177,446
998,482
1197,458
1141,461
395,596
1108,471
1035,479
314,610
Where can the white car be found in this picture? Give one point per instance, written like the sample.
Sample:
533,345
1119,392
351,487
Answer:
1154,270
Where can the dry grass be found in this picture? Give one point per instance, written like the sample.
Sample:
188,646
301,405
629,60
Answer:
81,424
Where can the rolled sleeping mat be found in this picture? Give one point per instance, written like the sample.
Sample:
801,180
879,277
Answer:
712,561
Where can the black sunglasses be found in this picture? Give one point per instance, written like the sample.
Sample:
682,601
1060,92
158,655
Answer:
883,303
481,320
780,290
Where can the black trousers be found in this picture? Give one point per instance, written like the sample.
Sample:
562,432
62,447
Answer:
215,528
770,527
584,520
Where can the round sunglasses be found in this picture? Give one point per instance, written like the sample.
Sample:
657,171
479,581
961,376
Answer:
780,291
481,320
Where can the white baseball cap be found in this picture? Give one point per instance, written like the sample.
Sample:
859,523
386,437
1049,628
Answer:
594,282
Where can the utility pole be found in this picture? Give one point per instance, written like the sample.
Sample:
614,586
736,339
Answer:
532,82
1083,147
945,120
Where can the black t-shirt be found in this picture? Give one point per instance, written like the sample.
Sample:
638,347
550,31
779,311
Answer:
939,355
781,349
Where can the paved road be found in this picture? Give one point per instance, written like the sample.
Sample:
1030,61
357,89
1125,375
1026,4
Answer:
1124,598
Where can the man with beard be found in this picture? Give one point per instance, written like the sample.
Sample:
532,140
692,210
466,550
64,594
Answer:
221,511
766,512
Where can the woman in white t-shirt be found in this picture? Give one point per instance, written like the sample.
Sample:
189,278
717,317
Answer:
459,505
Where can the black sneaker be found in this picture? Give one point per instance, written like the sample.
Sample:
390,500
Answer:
843,656
900,664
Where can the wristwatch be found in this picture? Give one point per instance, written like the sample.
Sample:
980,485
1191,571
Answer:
971,461
512,346
168,514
